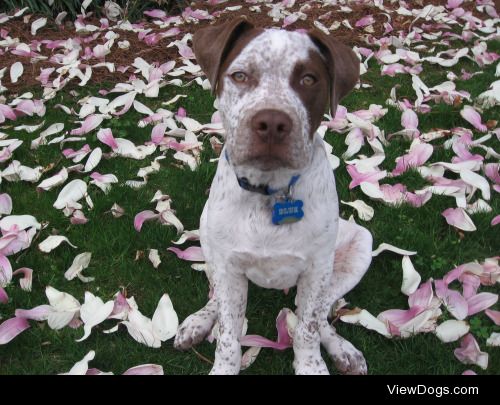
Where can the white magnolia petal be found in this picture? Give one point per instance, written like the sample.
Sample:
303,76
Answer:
21,221
59,319
191,124
165,320
141,329
71,193
477,181
56,180
365,212
16,71
493,340
81,367
367,320
249,357
169,217
53,241
188,159
61,301
37,24
93,160
451,330
411,278
80,262
154,257
387,246
92,312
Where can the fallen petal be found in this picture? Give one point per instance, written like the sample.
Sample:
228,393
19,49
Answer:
451,330
52,242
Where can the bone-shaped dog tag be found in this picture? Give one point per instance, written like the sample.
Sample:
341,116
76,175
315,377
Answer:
287,212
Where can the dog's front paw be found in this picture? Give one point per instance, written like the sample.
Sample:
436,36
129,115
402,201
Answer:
193,330
310,365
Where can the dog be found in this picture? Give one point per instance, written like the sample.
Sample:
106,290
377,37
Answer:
272,213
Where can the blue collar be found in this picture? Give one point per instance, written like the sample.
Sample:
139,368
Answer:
263,189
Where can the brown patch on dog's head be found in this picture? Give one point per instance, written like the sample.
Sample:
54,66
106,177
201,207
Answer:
314,96
342,64
216,46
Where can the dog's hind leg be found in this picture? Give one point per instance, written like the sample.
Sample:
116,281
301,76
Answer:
196,326
353,256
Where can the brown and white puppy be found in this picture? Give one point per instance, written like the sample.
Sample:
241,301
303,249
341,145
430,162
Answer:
273,88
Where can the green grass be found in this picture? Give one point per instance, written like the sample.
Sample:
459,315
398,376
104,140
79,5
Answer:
114,243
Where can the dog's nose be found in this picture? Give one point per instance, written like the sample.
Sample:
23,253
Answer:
271,126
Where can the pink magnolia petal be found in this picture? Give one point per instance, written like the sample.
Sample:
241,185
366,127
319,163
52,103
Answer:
492,171
143,216
493,315
121,307
358,178
186,52
409,119
417,200
418,155
27,279
454,302
145,369
399,317
11,328
453,275
472,117
454,4
469,352
458,218
193,253
39,313
480,302
422,297
363,22
5,204
89,124
5,271
96,371
290,19
4,298
158,133
283,342
470,284
78,218
469,372
495,221
155,13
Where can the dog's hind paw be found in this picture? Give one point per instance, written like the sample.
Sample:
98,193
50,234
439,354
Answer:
310,365
347,359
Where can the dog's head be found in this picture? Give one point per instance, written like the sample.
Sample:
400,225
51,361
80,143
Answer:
273,87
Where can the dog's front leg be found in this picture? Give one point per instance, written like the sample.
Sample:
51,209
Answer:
231,294
311,290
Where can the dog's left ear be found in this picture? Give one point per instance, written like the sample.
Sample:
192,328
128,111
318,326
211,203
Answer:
212,44
343,66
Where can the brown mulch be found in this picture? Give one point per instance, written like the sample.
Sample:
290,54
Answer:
159,53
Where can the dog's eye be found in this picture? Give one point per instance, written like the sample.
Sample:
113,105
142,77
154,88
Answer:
239,77
308,80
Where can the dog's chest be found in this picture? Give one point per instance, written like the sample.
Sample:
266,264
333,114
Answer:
269,270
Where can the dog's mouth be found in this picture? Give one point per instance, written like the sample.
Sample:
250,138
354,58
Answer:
268,163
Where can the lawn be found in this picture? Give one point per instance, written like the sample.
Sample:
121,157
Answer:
120,253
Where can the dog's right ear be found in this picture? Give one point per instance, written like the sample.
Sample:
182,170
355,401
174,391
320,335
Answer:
212,44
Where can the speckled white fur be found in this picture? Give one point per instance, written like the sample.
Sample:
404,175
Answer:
239,241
